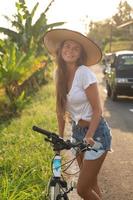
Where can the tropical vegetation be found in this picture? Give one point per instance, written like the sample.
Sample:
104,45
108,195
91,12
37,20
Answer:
21,50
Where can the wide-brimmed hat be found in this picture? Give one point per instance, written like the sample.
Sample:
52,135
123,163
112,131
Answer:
54,37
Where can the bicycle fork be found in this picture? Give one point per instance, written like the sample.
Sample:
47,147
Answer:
64,195
63,187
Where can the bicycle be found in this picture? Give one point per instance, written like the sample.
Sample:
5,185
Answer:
57,186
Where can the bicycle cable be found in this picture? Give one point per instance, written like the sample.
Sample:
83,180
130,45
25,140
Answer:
64,171
71,162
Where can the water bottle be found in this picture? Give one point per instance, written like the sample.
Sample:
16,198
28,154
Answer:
57,166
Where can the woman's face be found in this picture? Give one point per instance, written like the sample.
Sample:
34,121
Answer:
71,51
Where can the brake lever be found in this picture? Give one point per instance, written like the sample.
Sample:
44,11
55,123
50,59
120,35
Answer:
89,148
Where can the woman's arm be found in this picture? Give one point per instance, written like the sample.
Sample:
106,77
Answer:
94,99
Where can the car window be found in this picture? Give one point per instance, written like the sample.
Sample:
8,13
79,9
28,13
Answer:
125,60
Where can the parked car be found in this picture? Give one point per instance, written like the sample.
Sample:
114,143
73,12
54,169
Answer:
119,74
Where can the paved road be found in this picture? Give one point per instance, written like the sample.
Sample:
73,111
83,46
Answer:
117,173
116,176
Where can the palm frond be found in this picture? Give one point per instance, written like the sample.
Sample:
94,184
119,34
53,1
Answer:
9,32
47,27
47,8
34,10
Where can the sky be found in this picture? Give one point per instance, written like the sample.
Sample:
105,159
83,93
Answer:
76,13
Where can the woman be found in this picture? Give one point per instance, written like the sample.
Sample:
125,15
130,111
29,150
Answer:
77,94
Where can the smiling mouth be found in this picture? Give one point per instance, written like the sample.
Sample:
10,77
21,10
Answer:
70,56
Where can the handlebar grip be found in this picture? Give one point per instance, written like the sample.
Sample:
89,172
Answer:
42,131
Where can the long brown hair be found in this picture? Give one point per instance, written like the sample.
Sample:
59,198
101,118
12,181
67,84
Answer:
61,80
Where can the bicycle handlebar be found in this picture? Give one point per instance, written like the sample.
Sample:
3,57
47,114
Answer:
58,142
44,132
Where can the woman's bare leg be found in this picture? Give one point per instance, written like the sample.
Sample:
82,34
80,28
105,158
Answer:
95,186
80,160
88,177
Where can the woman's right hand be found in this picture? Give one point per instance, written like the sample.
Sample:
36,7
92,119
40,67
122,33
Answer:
89,140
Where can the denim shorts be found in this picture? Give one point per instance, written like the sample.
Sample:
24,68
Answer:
102,138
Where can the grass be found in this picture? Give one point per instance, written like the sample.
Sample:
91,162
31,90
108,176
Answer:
24,156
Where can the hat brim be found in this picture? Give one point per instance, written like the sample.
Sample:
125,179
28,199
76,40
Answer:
54,37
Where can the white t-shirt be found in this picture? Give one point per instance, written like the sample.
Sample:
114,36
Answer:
77,102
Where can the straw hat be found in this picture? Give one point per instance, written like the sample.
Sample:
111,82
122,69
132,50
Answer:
53,39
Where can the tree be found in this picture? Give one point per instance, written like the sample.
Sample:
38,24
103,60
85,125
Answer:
125,13
106,32
28,35
100,32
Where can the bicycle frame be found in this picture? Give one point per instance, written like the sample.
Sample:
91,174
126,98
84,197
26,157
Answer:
57,182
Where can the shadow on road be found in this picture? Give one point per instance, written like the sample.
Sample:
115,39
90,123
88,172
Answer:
120,113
